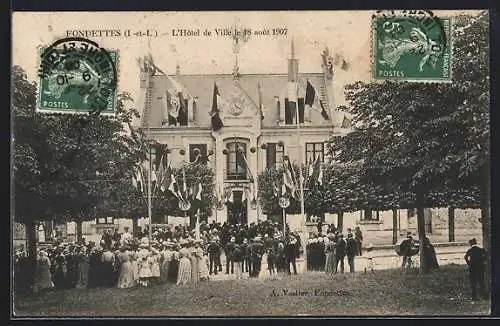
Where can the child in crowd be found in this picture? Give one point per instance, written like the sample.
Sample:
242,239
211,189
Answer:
271,261
369,258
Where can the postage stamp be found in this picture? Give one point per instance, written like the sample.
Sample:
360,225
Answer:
78,76
411,46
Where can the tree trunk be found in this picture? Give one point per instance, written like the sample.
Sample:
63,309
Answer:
421,235
79,232
451,224
394,226
135,224
486,217
340,221
31,229
421,228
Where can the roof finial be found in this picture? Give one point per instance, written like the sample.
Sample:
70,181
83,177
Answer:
293,49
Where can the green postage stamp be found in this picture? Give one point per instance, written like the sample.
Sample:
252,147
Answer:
411,45
77,76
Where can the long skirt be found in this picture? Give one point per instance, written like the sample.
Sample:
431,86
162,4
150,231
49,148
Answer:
164,271
82,275
43,278
184,275
203,267
195,270
135,270
173,270
108,274
126,279
330,263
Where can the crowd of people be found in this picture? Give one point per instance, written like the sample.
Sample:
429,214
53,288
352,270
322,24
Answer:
175,255
328,252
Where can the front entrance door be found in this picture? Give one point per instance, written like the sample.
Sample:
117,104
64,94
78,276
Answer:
237,210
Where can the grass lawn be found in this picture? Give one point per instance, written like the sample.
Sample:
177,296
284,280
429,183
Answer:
388,292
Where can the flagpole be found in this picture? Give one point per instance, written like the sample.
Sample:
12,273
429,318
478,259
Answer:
149,196
301,178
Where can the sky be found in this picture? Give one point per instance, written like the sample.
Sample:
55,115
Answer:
345,32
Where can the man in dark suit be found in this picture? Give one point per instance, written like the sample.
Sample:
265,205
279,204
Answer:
351,251
476,258
256,253
213,250
291,255
228,251
340,253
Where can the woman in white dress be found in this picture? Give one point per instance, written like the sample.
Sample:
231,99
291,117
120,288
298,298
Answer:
166,258
184,274
43,278
195,270
202,263
154,259
126,278
144,265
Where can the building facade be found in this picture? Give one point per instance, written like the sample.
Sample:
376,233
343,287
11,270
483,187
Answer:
259,124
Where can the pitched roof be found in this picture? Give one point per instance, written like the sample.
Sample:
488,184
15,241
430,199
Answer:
201,86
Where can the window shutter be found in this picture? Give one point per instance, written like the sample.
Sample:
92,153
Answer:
270,155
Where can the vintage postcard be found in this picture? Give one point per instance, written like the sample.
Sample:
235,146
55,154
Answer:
291,163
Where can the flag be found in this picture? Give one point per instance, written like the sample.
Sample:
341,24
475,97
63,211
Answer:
197,227
290,173
183,110
198,191
173,187
283,186
183,195
291,102
166,175
261,106
139,179
243,196
317,174
276,190
311,99
153,176
243,157
214,114
160,174
173,106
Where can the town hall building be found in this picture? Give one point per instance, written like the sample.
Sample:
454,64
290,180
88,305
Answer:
256,119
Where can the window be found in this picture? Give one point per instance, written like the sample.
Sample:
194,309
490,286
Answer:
198,149
274,155
313,150
236,165
370,215
291,113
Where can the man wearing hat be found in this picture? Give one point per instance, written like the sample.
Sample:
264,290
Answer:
340,253
476,257
256,253
213,250
405,249
291,255
228,251
351,251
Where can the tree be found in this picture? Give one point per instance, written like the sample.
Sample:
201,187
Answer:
66,165
426,138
